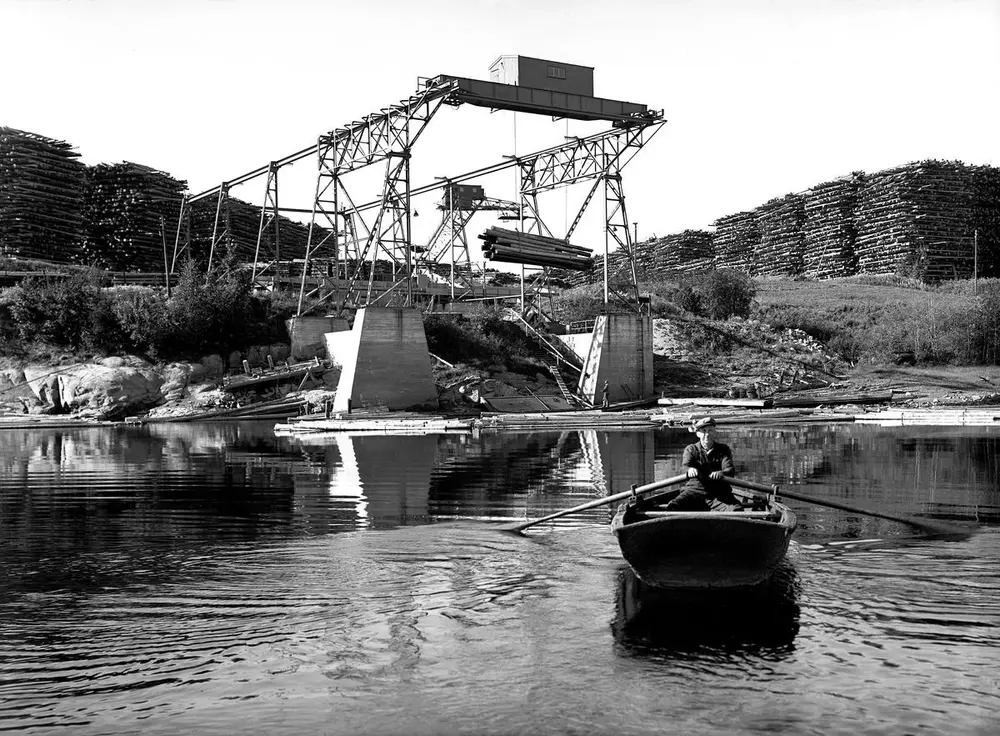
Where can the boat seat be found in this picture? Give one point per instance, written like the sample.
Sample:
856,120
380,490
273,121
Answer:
740,514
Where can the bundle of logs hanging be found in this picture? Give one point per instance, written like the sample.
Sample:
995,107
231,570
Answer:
41,197
511,246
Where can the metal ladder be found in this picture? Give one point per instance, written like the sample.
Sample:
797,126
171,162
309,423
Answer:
571,397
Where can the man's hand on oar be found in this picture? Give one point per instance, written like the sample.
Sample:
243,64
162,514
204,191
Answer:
648,488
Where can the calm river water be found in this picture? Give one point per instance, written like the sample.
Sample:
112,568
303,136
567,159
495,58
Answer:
216,579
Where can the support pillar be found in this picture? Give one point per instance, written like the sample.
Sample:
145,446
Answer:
385,362
621,353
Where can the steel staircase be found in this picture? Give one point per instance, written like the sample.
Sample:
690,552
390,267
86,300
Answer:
554,355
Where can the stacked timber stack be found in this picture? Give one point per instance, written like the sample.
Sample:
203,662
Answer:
780,250
944,230
736,238
41,197
685,252
580,278
884,219
647,254
985,188
916,220
510,246
829,230
244,226
130,216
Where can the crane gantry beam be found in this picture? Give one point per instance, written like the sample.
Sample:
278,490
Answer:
338,224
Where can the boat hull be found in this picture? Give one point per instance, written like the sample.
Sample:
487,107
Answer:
703,549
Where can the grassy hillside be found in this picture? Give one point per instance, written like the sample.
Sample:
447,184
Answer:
878,319
870,319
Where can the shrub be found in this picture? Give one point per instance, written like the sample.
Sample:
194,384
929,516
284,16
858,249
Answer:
202,317
140,316
57,310
726,293
975,328
715,294
686,297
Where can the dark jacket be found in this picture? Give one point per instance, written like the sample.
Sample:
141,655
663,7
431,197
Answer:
720,457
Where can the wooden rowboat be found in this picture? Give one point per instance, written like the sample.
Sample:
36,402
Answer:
703,549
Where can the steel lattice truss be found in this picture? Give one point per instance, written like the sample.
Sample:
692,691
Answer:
387,136
450,242
599,158
339,232
269,220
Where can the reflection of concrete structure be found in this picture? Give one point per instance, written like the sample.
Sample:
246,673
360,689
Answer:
619,459
386,492
385,361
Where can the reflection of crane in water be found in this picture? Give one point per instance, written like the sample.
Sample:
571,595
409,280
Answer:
571,461
508,463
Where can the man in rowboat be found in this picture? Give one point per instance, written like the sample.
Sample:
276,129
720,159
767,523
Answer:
707,464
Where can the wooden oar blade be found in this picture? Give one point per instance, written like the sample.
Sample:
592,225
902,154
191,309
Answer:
641,490
935,527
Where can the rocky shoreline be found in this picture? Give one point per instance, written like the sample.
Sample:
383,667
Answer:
757,362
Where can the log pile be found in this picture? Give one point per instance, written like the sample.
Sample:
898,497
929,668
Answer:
510,246
130,216
779,251
916,220
736,238
41,197
944,223
985,190
829,229
684,252
244,226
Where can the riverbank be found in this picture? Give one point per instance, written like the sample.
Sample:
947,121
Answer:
910,387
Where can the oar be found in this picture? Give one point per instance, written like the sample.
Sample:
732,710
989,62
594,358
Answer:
597,502
934,526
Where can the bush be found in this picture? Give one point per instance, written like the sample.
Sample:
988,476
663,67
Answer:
975,328
57,310
205,317
140,317
687,298
715,294
726,293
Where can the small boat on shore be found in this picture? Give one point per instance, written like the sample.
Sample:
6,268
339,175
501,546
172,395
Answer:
703,549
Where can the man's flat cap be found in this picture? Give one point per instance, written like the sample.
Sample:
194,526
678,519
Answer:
703,423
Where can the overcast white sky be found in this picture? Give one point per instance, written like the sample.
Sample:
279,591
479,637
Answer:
762,97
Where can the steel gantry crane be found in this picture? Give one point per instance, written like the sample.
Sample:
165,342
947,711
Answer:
371,243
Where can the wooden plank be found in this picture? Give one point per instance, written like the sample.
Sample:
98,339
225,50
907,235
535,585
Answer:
711,401
812,401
